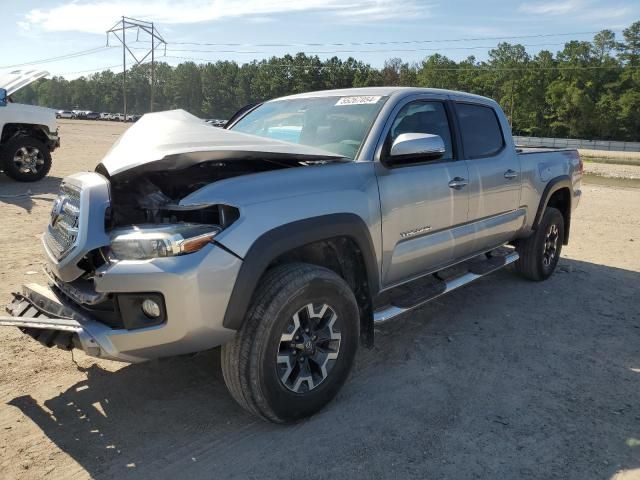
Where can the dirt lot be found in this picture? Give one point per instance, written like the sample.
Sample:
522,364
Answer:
502,379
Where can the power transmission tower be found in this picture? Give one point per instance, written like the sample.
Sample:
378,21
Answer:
119,30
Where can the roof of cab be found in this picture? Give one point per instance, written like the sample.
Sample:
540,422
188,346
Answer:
383,91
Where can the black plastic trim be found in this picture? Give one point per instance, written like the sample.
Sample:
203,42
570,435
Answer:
241,114
130,308
280,240
563,181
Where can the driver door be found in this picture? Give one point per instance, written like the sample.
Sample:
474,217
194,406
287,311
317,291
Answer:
420,210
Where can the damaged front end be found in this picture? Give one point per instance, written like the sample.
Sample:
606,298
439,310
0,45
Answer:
134,269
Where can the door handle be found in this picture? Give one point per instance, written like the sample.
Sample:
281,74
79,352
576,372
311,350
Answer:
458,183
510,174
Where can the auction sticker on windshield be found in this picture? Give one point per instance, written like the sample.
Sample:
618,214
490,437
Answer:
360,100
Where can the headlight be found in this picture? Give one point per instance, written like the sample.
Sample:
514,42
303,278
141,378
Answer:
141,242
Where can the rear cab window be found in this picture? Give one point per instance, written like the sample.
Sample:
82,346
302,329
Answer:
480,130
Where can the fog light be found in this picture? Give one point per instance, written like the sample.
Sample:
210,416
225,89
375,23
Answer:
151,309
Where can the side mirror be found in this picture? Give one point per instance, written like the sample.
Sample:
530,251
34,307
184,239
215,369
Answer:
411,147
3,97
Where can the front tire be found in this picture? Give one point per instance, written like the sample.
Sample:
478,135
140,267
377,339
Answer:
539,254
26,159
297,345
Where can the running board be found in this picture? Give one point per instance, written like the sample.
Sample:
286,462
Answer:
408,302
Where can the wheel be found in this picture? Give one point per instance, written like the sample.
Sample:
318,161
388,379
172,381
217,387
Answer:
26,159
539,254
296,346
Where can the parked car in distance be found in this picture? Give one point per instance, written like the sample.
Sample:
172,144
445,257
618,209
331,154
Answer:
65,114
117,117
105,116
133,117
92,115
287,253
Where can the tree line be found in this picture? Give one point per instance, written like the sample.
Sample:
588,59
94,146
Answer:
589,89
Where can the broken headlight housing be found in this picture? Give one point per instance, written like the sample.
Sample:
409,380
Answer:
145,242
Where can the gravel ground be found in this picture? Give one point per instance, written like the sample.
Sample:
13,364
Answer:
612,171
610,156
501,379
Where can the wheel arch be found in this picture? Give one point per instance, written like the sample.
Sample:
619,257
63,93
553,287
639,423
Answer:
557,194
295,242
11,130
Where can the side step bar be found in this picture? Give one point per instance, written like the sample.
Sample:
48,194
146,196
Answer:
476,270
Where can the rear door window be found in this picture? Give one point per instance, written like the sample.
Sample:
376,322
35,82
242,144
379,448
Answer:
480,130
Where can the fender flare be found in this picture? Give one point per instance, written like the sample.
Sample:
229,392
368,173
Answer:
555,184
273,243
24,129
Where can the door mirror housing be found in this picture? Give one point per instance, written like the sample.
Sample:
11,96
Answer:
3,97
415,147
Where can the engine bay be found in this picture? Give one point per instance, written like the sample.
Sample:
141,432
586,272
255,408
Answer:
153,197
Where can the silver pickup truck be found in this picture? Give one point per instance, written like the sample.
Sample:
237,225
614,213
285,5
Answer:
287,235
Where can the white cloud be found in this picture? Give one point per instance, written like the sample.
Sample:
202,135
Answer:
587,10
98,16
552,8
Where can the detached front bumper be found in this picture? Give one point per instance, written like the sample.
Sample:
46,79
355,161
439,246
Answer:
195,288
47,317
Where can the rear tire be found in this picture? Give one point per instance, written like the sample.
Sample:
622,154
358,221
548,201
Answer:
297,345
539,254
26,159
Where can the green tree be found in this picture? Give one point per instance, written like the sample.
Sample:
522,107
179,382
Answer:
187,88
588,89
631,45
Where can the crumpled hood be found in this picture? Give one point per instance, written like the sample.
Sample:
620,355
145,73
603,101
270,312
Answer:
163,135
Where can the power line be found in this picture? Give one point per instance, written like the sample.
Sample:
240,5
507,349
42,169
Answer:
473,47
471,68
334,44
58,58
391,42
100,69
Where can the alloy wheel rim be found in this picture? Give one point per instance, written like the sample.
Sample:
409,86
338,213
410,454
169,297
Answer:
309,348
550,249
28,159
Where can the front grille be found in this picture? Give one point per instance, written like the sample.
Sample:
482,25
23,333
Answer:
62,232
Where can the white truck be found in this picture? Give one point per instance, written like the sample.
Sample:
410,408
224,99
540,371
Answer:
28,134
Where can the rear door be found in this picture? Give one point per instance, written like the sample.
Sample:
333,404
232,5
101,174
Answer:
420,211
494,178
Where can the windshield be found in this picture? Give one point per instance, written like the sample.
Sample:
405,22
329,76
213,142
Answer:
336,124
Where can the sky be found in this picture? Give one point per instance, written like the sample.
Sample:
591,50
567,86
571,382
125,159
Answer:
368,30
